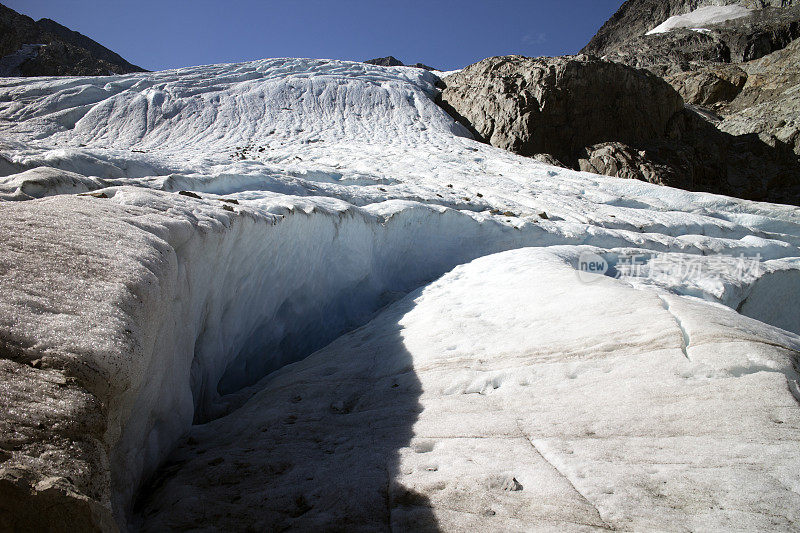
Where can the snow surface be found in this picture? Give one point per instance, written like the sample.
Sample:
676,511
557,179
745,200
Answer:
701,17
606,401
535,401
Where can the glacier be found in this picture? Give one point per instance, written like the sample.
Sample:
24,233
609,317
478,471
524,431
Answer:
300,290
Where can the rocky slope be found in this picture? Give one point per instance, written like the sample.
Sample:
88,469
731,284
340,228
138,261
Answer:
607,118
559,105
637,17
738,40
46,48
769,102
734,67
733,63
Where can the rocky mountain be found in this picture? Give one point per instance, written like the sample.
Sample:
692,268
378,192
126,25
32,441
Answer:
391,61
637,17
681,49
609,118
559,105
46,48
734,65
744,70
711,64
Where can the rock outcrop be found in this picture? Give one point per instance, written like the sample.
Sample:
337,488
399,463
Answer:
709,85
608,118
559,105
737,71
46,48
735,41
769,102
388,61
637,17
734,67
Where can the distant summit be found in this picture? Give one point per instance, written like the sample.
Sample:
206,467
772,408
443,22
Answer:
388,61
391,61
46,48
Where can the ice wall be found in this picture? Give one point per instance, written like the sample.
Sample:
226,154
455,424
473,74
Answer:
248,293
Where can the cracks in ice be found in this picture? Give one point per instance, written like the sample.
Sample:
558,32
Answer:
685,340
605,525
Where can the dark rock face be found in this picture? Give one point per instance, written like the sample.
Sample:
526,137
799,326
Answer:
388,61
700,157
559,106
741,165
391,61
46,48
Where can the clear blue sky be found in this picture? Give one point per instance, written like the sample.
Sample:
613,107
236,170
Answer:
447,34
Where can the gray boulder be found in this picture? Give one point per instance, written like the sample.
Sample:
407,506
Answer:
559,105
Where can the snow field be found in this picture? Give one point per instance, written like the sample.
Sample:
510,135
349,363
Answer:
701,17
464,385
354,188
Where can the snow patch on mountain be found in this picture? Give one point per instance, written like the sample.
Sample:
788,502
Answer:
701,17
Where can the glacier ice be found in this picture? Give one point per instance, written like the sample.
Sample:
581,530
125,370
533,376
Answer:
320,192
523,410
